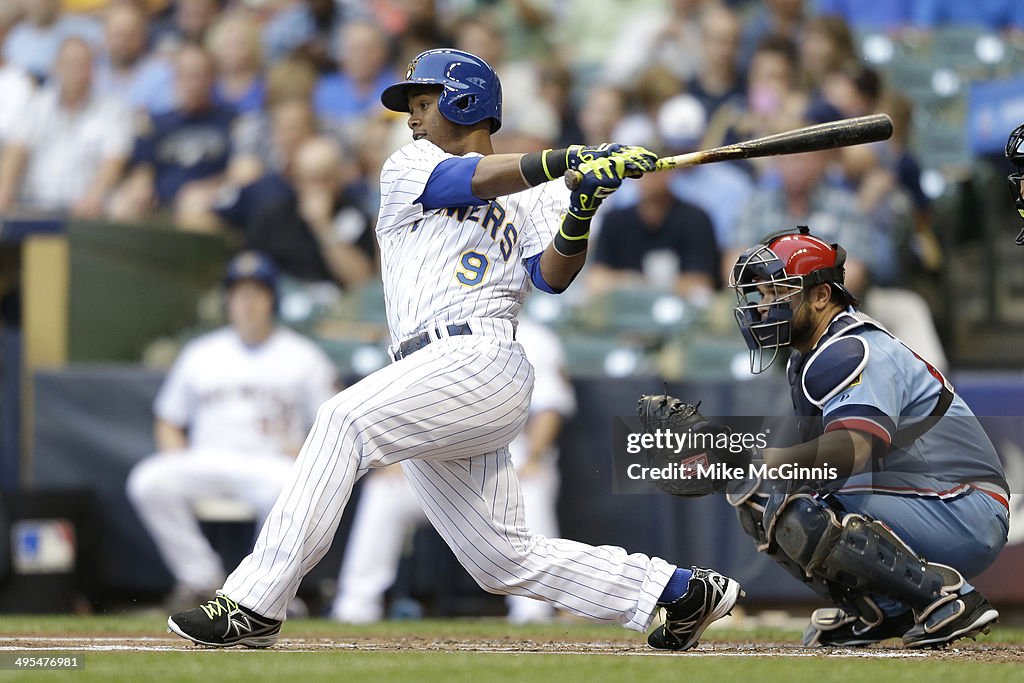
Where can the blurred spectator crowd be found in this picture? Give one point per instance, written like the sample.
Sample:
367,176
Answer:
260,120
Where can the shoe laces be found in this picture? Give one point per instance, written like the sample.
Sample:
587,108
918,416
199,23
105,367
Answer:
218,606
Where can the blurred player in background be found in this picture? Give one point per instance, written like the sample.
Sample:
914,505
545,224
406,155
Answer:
388,511
230,418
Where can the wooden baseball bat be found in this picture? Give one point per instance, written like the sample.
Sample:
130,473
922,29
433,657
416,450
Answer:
842,133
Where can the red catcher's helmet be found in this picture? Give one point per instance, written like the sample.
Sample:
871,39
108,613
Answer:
766,279
811,257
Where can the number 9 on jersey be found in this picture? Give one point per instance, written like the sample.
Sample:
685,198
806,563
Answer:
472,268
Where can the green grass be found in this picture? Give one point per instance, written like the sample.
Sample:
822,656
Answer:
485,668
456,667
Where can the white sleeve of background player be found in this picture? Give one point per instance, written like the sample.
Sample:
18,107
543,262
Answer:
321,382
175,401
545,219
402,180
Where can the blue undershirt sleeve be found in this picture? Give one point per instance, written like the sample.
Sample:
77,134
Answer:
532,265
450,185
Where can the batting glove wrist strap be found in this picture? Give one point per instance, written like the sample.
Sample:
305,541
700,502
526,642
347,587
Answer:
573,235
540,167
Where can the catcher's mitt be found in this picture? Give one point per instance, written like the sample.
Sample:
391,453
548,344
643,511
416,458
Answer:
698,443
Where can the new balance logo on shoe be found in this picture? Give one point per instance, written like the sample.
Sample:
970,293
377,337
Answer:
222,622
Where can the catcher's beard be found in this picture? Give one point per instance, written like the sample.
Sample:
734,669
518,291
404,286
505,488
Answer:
801,329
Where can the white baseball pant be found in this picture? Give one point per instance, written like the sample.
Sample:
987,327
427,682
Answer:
447,412
388,513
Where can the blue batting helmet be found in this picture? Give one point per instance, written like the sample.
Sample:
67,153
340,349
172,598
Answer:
471,91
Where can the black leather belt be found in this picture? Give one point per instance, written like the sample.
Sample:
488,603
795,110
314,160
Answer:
413,344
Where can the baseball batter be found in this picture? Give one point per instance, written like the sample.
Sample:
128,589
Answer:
230,418
388,510
463,234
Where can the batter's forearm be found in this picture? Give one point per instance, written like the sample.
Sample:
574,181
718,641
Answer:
558,270
498,175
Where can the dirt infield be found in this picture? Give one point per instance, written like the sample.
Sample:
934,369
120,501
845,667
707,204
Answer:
980,651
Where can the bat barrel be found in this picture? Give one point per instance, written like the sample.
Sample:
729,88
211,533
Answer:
831,135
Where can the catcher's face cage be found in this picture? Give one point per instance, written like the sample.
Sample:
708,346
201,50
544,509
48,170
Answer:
1015,153
764,311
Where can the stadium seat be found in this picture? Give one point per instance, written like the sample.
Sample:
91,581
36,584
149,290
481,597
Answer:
640,312
942,145
924,83
599,356
973,51
354,357
704,357
368,303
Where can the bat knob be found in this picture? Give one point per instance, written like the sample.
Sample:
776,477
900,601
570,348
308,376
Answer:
573,179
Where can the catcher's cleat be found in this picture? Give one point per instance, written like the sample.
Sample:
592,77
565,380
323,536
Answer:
832,627
709,596
222,622
964,617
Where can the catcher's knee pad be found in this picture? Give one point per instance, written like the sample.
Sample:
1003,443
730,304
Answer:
805,530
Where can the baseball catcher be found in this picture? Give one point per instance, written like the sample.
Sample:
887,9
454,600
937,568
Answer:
921,502
1015,154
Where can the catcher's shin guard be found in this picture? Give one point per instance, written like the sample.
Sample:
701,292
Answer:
863,555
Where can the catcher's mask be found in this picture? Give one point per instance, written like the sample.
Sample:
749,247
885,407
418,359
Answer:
1015,153
768,276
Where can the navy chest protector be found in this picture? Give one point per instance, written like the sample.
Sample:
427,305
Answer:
840,356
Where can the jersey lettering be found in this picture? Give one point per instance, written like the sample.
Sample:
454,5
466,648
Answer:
508,240
453,263
491,221
472,268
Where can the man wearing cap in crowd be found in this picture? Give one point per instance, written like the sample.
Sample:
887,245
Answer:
721,190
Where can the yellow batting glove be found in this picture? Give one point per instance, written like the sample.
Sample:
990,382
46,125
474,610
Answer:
601,177
639,160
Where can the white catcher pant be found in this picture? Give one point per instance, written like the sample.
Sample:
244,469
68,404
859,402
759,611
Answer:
447,412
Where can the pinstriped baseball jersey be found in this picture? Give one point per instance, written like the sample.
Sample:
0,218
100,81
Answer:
451,264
